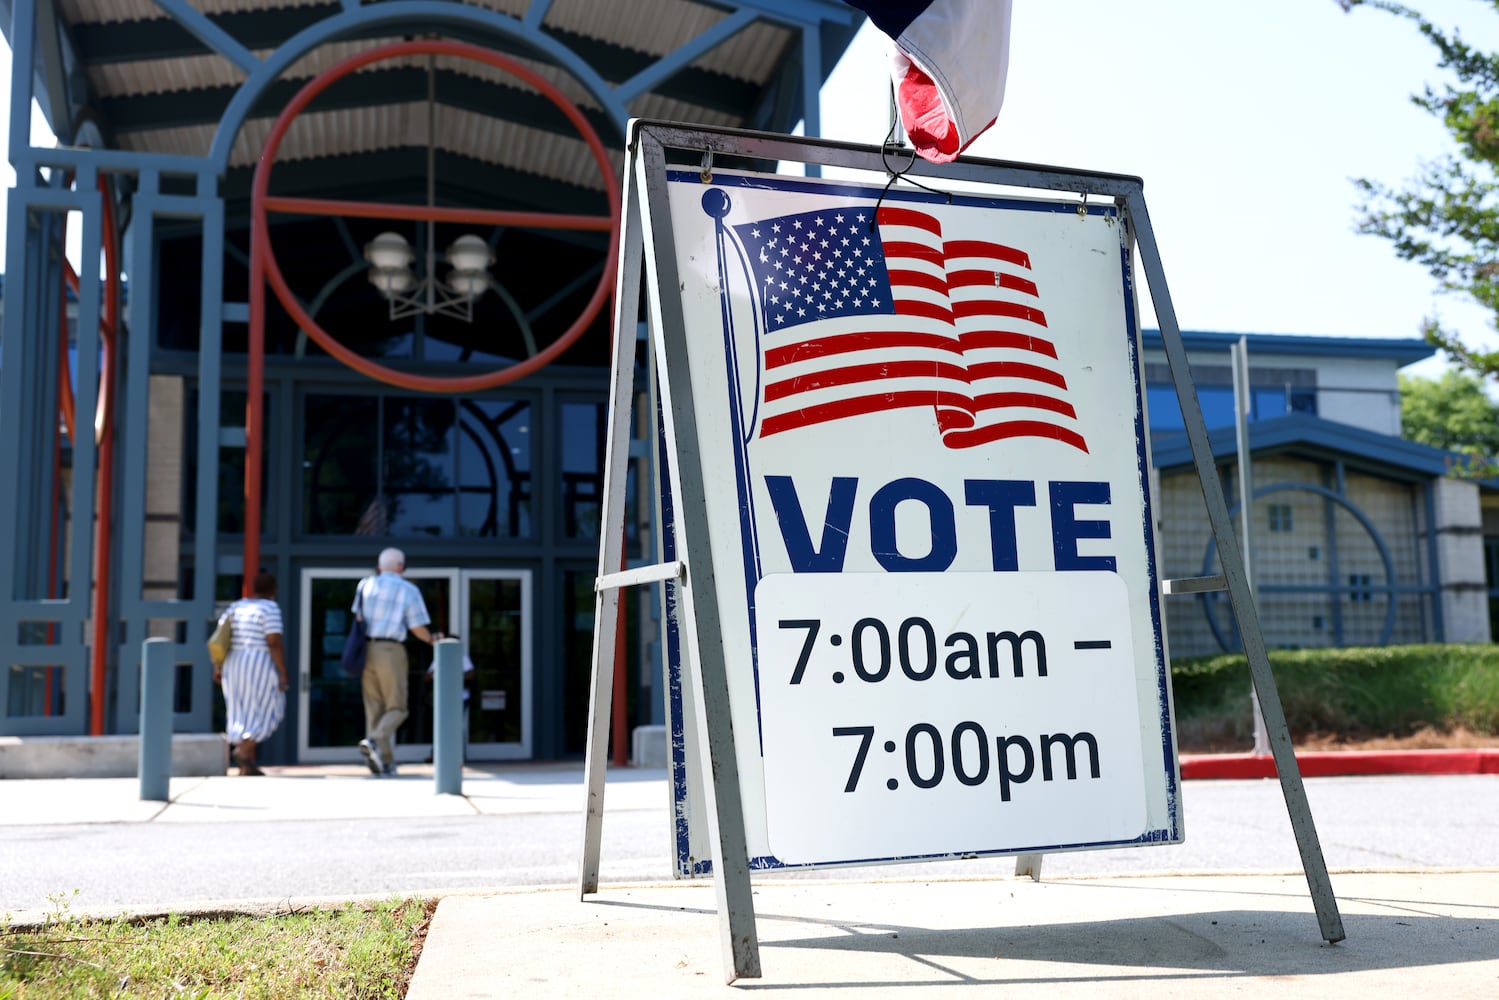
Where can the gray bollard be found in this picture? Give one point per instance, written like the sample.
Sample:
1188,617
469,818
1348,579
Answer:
447,718
158,678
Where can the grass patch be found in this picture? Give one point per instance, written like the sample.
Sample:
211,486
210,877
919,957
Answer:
354,952
1356,693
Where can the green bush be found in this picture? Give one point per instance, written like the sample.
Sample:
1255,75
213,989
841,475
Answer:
1356,692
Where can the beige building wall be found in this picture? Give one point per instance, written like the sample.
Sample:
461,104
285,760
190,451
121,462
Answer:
163,542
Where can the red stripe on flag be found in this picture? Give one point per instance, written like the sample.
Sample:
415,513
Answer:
918,279
1015,369
1012,310
1033,400
915,251
1014,429
981,248
926,310
858,406
846,343
854,374
971,277
979,339
889,215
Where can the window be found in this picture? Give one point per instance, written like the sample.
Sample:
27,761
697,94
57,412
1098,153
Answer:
417,481
494,468
340,481
584,432
231,476
1274,392
1280,516
1357,580
417,466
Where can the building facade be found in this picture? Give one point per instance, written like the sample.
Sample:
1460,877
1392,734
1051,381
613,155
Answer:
1357,537
280,360
353,258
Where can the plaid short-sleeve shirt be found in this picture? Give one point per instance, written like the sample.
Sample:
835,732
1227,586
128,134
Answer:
391,605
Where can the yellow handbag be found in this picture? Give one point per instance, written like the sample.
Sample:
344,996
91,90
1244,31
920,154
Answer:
218,643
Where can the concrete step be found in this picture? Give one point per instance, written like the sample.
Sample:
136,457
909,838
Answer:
193,755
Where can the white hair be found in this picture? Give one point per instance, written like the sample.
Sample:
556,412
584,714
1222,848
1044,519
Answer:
392,561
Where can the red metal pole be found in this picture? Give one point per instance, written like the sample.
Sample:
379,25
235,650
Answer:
105,439
435,213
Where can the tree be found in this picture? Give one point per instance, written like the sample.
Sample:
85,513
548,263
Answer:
1454,413
1448,217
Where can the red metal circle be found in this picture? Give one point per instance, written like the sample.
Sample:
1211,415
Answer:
260,230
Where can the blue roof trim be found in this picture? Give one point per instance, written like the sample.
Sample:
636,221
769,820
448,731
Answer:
1402,350
1364,448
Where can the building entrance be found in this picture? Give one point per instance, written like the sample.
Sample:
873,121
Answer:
489,609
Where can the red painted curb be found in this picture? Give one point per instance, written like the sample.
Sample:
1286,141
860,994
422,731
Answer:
1328,763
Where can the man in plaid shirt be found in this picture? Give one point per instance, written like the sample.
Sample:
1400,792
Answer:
390,606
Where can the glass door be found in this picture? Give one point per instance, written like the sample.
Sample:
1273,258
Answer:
495,610
331,720
490,610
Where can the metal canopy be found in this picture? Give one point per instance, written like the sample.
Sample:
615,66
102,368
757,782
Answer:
158,77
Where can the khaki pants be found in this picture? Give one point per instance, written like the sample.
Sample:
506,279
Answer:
384,688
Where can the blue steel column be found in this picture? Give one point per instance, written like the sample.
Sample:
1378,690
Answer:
22,57
39,287
812,88
134,609
210,389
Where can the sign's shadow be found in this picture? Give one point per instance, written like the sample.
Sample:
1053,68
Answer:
1243,942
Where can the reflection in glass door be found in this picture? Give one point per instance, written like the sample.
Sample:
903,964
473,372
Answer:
496,616
494,608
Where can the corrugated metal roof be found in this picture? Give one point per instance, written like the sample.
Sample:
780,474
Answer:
122,11
154,94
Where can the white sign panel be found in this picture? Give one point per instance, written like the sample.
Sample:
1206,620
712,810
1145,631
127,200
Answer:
923,444
932,714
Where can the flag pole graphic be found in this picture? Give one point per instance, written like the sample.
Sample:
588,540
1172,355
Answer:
742,413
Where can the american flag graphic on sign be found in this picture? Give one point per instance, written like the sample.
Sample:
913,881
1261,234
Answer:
866,309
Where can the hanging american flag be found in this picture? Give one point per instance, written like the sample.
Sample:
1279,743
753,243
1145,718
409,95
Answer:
948,67
865,310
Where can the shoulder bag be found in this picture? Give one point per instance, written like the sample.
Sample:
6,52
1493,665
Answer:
352,658
218,643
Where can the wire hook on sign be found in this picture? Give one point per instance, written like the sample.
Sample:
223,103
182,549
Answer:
887,149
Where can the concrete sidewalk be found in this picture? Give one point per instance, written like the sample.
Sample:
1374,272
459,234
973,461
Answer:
1431,933
1203,934
320,792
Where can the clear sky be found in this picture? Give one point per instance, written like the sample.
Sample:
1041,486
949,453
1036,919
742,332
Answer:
1247,122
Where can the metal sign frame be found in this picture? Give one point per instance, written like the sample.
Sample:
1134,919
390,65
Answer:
688,558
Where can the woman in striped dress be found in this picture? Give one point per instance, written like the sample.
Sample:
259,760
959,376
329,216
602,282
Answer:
254,672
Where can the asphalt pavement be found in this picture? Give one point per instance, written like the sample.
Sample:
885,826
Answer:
1414,861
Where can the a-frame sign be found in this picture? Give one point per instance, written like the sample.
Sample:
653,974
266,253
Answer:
912,599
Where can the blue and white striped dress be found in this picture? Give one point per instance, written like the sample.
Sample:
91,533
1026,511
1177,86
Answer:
252,687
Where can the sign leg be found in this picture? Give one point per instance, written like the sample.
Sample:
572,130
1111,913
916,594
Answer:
611,532
1028,864
1242,598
